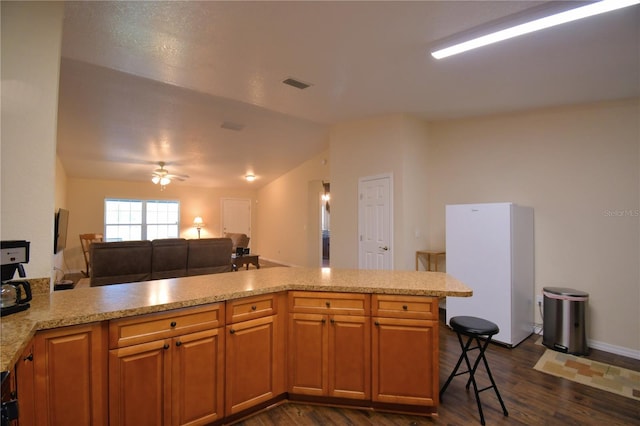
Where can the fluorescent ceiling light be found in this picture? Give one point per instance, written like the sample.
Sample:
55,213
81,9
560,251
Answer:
535,25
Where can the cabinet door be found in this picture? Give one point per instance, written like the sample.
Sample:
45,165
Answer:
140,384
308,354
70,375
25,381
198,378
253,363
349,357
405,361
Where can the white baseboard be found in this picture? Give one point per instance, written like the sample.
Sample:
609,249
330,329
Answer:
618,350
601,346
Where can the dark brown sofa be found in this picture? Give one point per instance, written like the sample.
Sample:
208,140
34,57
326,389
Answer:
169,258
120,262
209,256
130,261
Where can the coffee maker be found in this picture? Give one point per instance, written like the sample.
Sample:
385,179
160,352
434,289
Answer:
15,294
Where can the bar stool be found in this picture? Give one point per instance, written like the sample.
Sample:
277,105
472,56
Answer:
474,328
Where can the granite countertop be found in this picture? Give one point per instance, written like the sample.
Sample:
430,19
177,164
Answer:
85,305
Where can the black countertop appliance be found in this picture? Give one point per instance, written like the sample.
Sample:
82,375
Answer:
15,294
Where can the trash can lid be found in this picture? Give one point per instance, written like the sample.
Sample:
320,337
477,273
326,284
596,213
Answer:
564,291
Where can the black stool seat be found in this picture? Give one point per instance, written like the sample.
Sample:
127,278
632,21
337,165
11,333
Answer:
473,325
474,328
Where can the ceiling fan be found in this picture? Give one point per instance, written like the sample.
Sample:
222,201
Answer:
163,177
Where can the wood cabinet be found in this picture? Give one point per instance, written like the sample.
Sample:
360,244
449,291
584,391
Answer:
255,351
24,375
329,345
62,377
167,368
405,350
218,362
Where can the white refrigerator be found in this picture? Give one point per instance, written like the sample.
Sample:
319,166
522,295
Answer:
490,249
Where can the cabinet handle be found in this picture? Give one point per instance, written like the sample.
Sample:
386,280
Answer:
405,307
13,395
377,323
178,343
173,324
328,304
333,321
232,331
324,320
254,307
28,357
166,346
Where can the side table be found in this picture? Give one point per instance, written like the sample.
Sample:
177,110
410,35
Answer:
246,260
428,255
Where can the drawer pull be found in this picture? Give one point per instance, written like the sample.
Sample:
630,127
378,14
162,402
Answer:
173,324
405,307
377,323
232,331
178,343
254,307
328,304
166,346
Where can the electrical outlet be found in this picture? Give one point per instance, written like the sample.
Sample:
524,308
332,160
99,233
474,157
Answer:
539,299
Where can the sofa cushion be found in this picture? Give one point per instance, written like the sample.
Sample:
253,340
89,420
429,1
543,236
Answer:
209,256
120,262
169,258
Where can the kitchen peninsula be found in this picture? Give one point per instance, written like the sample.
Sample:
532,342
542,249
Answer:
293,318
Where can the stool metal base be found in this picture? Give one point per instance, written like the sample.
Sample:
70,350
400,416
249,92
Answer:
466,347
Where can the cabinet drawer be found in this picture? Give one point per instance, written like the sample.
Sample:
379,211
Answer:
399,306
329,303
146,328
251,307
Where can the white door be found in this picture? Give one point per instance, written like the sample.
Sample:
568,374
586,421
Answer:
236,215
375,222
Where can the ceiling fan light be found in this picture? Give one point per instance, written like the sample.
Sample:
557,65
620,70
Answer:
165,181
155,179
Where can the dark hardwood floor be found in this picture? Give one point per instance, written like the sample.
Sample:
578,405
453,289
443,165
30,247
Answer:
531,397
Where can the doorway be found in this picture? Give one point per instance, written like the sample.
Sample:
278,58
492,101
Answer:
375,222
325,224
236,215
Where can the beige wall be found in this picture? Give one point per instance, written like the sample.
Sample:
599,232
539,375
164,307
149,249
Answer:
578,167
395,144
31,40
288,214
85,201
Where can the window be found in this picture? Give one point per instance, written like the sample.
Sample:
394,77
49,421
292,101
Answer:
126,220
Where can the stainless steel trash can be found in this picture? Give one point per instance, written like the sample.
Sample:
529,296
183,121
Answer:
564,327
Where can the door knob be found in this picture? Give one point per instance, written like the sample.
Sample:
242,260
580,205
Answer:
385,248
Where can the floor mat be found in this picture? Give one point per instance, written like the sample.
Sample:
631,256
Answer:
607,377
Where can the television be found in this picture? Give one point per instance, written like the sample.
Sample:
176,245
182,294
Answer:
61,224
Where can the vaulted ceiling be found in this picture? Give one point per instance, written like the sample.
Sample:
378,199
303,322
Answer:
143,82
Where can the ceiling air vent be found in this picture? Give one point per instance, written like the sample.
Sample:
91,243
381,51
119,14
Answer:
296,83
230,125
